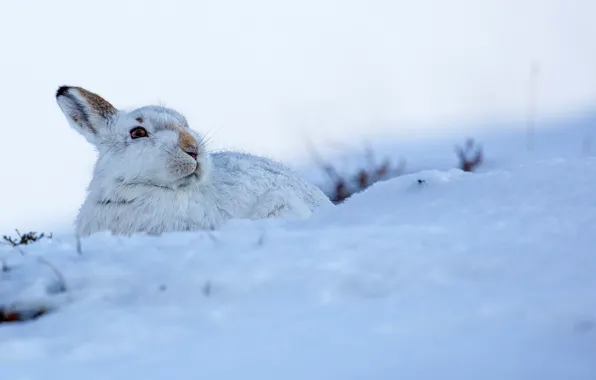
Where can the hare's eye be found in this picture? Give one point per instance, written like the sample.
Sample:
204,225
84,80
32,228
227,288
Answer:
137,132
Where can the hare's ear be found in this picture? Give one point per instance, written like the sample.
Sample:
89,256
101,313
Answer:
85,111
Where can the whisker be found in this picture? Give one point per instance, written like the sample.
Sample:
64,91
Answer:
208,136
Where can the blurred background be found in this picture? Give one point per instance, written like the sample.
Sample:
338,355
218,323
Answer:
267,76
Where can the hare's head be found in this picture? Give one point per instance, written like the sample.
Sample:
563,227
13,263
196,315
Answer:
151,145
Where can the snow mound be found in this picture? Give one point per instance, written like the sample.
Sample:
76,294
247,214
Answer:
434,275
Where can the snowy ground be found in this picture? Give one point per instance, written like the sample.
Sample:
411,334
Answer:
504,144
456,276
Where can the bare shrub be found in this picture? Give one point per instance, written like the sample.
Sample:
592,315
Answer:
470,156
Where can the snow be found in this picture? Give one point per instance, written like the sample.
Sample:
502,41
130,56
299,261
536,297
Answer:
461,275
504,144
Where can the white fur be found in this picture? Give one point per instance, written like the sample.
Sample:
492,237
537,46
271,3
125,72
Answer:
151,185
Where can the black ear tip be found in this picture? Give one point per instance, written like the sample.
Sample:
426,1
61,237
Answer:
62,90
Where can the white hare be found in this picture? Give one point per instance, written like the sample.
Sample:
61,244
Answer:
153,174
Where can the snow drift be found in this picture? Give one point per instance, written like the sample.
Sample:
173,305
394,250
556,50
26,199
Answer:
434,275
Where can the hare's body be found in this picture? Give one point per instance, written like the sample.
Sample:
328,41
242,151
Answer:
154,175
239,186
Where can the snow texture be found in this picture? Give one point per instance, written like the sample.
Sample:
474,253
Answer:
433,275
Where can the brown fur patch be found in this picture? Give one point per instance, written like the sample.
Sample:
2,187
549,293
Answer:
97,103
187,142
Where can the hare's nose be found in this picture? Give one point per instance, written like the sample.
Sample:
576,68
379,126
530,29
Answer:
188,144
